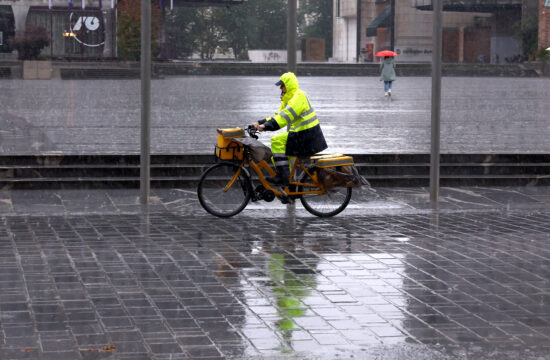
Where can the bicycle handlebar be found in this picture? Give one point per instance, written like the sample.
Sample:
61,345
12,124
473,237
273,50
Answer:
251,130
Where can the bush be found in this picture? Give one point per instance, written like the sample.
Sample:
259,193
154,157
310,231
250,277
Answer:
527,32
31,43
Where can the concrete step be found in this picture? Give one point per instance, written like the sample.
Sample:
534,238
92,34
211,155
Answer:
96,171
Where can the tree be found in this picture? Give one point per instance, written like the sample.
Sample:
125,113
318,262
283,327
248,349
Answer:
178,27
31,43
266,24
208,32
258,24
234,22
198,30
315,20
129,29
527,31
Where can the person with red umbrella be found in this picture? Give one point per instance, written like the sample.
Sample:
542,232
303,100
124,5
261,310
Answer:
387,70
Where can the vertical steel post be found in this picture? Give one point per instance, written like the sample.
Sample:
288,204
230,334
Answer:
436,99
145,161
392,20
291,25
358,51
51,35
291,36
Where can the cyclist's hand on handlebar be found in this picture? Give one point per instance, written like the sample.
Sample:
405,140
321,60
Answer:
258,126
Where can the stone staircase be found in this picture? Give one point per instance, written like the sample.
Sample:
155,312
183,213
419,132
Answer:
123,171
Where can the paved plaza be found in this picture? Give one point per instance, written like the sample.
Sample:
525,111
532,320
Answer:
479,115
89,274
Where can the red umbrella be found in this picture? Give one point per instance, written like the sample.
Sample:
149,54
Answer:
386,53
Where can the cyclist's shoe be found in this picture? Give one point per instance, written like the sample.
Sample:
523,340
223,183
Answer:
282,177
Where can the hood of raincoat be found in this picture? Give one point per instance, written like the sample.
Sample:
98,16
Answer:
291,83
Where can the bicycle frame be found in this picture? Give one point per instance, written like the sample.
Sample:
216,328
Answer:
317,188
225,189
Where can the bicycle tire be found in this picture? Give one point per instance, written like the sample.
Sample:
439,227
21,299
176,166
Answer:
333,202
212,196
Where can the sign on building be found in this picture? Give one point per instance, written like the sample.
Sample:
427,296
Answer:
75,32
86,29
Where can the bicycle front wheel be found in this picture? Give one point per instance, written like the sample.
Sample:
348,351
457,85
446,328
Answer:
220,193
331,203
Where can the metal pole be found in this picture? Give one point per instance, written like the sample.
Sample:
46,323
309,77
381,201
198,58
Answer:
358,51
392,20
145,174
436,99
291,54
51,36
291,36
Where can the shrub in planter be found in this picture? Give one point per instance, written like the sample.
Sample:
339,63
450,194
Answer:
31,43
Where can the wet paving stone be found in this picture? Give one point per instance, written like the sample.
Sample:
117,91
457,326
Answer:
163,285
49,124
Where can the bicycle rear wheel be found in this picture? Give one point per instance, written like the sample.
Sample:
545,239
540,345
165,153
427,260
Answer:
331,203
215,198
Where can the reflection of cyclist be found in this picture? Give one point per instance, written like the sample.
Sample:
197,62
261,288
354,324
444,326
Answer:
305,136
289,290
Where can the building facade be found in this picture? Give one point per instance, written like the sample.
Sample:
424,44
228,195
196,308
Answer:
76,28
473,31
544,24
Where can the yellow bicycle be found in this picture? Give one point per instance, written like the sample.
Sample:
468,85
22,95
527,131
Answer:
225,188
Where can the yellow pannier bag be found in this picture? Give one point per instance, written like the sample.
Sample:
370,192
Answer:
332,160
226,148
337,170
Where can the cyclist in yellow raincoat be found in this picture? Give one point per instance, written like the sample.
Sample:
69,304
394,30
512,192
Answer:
305,136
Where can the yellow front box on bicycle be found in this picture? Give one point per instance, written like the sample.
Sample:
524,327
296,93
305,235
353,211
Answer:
226,148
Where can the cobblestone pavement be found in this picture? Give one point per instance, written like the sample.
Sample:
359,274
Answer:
479,115
469,282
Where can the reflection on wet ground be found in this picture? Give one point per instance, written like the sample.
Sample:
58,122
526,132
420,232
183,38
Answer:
167,285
